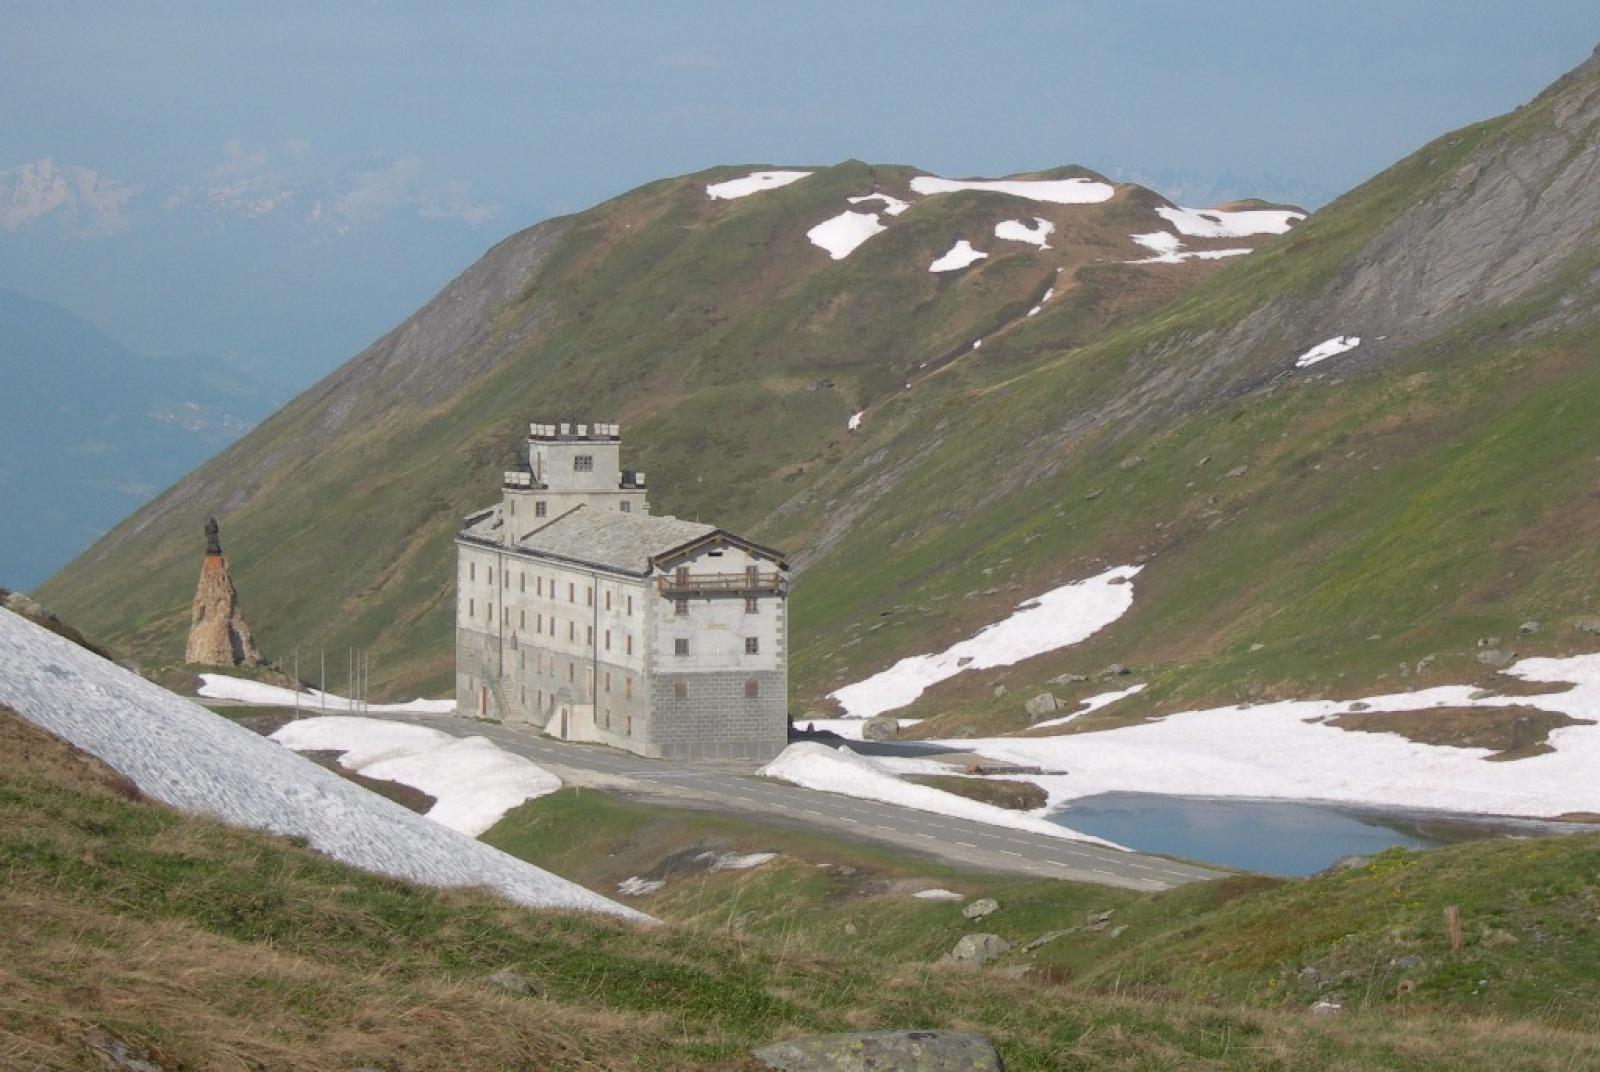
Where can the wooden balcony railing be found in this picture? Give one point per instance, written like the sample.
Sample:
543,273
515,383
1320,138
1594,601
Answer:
692,584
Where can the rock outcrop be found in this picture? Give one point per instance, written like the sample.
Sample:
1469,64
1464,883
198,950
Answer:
218,635
914,1051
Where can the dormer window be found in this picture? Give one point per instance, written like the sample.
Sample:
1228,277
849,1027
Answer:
539,508
583,463
626,506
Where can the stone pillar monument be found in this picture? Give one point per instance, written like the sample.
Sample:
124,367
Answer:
218,635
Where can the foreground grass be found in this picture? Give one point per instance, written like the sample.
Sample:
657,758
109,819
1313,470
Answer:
208,947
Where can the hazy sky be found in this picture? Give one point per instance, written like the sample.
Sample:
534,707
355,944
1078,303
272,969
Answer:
419,134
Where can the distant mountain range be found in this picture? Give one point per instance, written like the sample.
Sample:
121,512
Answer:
89,430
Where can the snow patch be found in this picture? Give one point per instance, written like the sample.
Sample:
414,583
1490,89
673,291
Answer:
1222,223
1078,191
841,234
185,756
1287,750
1048,294
1327,348
816,766
473,782
959,256
1062,616
892,205
732,861
1017,231
938,895
1090,705
855,420
1192,255
243,690
753,183
634,886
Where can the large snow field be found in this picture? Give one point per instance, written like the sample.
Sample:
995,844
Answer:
753,183
816,766
183,755
1062,616
1017,231
1166,246
957,257
1327,348
841,234
1078,191
1222,223
472,781
1287,750
227,687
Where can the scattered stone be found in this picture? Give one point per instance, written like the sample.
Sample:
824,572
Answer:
999,690
1118,931
1097,921
514,983
1588,625
1068,679
964,660
1480,694
118,1056
1360,706
1327,1007
976,950
1310,978
1132,461
1347,863
1496,659
1203,461
1528,628
738,923
1236,472
1044,939
1093,495
1257,646
880,728
851,929
1043,704
1015,971
1407,962
1425,662
914,1051
1114,670
982,908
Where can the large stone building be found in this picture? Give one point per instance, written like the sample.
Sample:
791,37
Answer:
581,614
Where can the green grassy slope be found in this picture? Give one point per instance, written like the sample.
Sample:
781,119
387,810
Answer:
199,946
730,347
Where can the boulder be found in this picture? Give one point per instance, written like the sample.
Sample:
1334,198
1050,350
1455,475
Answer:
1098,921
1588,625
885,1051
1496,659
1114,670
514,983
1072,679
880,728
1528,628
976,950
1043,704
1044,939
982,908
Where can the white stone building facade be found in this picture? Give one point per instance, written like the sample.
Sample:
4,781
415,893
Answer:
582,615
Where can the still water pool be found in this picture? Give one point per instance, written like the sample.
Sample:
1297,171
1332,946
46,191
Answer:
1276,837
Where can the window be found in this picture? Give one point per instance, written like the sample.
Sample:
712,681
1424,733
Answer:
752,575
572,631
752,688
680,646
491,576
572,671
522,619
523,689
608,680
472,571
552,625
608,599
630,726
572,592
681,608
472,608
751,606
522,581
538,623
752,645
608,718
505,579
680,689
628,639
583,463
627,687
513,507
625,506
522,664
630,606
588,636
588,596
608,640
539,508
538,586
488,612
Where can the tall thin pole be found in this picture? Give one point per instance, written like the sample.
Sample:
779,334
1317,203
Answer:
350,679
296,683
322,691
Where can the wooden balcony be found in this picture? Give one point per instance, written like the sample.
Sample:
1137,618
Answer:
711,584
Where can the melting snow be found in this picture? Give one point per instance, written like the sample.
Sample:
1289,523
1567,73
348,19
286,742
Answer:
179,753
634,886
1166,245
224,687
841,234
1287,750
855,420
1222,223
1079,191
816,766
473,783
1327,348
1061,616
753,183
1092,704
960,255
1048,294
892,205
1017,231
1159,241
938,895
732,861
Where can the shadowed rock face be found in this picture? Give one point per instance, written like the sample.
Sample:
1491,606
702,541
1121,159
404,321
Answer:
218,635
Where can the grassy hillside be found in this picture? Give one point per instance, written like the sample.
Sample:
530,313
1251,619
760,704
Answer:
729,346
197,946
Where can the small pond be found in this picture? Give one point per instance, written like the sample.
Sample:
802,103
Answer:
1275,837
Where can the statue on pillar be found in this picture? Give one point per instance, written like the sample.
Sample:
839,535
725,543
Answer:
213,538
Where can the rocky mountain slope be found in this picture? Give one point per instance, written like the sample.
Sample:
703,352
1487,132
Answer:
89,430
1361,457
732,325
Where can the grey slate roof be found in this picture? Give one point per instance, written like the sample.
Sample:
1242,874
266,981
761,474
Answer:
612,540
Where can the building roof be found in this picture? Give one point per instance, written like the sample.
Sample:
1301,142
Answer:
612,539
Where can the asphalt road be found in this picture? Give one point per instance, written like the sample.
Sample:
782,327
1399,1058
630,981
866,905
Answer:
733,789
